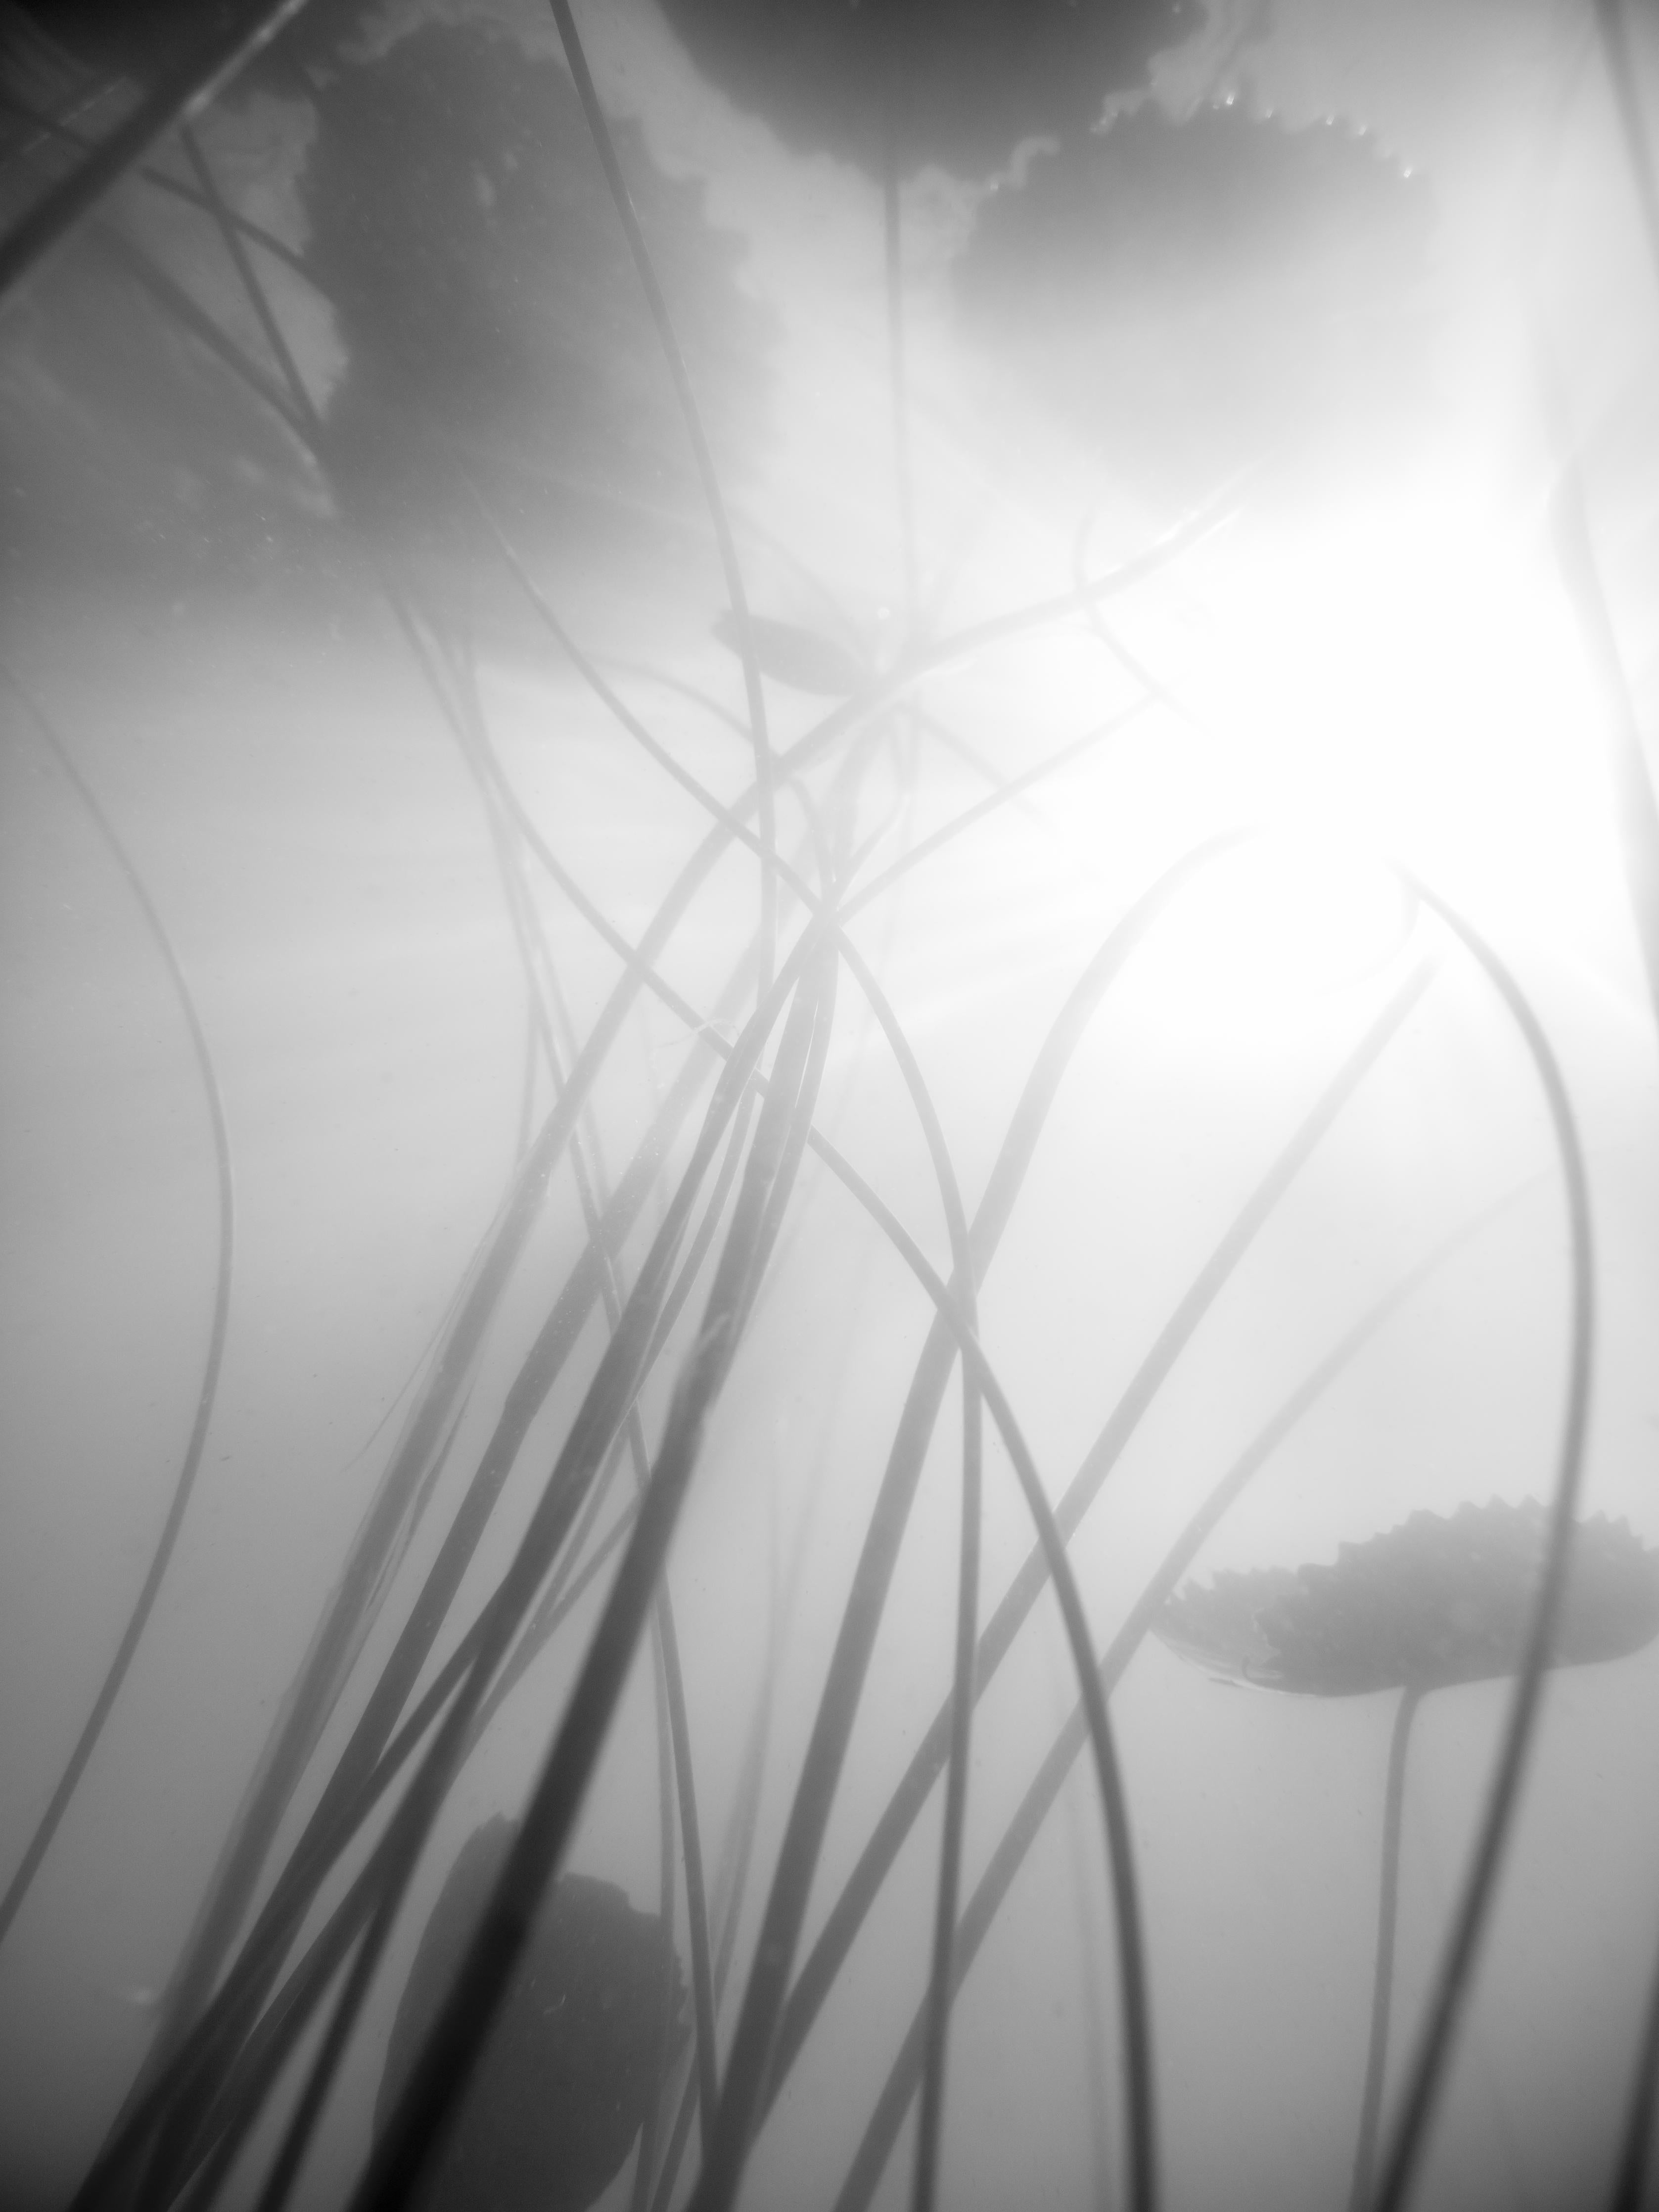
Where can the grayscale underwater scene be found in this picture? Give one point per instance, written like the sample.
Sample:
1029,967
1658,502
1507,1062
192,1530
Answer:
829,1109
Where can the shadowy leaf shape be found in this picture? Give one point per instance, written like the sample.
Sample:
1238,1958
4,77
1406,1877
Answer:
1437,1600
576,2056
802,659
465,232
1191,292
957,83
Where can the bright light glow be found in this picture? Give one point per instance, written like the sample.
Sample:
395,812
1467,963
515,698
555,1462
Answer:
1406,667
1293,921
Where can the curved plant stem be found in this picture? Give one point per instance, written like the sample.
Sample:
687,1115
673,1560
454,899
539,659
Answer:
1613,31
1434,2048
703,1986
1044,1789
750,2060
174,301
582,77
213,200
339,1635
161,2124
892,242
1376,2053
234,40
930,2122
46,1828
1636,810
666,1902
54,126
1636,2148
347,1799
712,2190
847,1915
445,2062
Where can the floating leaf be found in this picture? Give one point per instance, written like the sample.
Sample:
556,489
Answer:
958,83
1435,1601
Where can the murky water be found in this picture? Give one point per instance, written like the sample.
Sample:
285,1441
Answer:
364,707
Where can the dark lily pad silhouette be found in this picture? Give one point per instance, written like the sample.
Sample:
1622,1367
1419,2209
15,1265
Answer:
461,225
955,83
1189,292
1437,1600
577,2052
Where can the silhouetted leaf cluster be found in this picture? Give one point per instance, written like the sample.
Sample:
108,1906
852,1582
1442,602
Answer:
462,227
577,2051
1437,1600
1191,292
955,83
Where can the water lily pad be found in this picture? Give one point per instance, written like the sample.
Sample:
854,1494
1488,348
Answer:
1189,292
956,82
1440,1599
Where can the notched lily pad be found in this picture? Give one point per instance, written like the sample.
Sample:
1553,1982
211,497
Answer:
956,82
1193,292
1440,1599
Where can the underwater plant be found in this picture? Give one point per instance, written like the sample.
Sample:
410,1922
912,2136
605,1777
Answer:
579,2051
436,332
1440,1599
1195,292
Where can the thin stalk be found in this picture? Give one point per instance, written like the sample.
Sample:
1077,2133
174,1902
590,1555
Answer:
847,1914
893,258
703,1989
1636,2145
336,1638
1044,1789
53,127
267,2046
339,1813
281,352
731,1884
1434,2049
594,677
679,376
819,737
1002,796
190,2115
1636,810
174,301
445,2062
317,1686
1388,1899
302,2122
1091,1976
714,2190
1614,29
182,93
750,2060
931,2122
579,1729
527,1086
207,1395
173,2104
666,1902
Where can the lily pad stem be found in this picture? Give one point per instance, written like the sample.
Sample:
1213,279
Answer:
1394,1798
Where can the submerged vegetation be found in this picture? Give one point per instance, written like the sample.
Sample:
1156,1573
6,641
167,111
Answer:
1437,1601
578,2054
465,419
